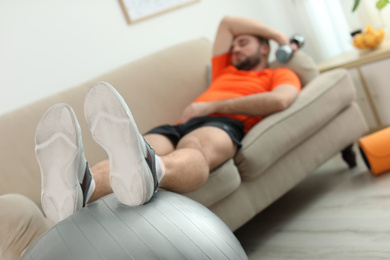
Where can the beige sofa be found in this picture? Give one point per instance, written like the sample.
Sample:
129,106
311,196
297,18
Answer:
277,154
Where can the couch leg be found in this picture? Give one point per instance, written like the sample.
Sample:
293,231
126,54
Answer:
349,156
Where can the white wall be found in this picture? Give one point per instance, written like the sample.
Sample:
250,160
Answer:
47,46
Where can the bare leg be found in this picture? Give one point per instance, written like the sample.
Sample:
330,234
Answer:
188,167
101,171
101,176
160,143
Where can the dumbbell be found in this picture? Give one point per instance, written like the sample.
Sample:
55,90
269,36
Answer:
285,52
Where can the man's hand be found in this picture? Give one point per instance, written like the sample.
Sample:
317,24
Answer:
195,110
294,46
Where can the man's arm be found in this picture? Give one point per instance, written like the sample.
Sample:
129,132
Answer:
230,27
261,104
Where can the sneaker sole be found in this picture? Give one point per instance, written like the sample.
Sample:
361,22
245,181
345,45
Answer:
113,127
57,146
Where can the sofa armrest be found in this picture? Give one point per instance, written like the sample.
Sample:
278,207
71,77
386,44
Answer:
321,100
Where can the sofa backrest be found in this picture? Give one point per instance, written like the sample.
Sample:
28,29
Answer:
169,79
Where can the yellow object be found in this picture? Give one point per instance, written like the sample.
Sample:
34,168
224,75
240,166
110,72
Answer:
375,149
370,38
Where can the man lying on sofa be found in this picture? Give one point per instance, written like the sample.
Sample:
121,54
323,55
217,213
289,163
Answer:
208,134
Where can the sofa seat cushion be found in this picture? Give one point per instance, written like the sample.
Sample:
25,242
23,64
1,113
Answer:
320,101
222,182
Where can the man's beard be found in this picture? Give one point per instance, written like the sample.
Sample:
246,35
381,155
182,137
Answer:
249,62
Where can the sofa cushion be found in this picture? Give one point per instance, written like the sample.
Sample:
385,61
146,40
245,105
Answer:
222,181
302,64
320,101
21,223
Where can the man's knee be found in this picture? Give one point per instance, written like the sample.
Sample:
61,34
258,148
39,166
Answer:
209,139
212,143
190,142
161,144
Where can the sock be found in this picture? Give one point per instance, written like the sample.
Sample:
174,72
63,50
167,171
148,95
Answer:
160,169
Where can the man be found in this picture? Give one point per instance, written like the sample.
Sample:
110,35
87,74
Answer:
242,92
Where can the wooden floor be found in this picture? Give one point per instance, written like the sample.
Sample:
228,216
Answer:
336,213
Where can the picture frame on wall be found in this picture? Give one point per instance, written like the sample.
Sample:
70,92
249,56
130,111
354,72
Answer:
138,10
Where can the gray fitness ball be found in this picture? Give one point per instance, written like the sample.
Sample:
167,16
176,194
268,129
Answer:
170,226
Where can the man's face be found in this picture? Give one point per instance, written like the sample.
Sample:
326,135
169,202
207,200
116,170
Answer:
246,52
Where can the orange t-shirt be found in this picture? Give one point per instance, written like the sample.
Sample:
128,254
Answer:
229,82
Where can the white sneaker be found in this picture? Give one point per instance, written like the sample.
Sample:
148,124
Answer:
65,175
132,161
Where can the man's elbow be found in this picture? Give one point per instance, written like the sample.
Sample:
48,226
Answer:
282,104
283,97
228,19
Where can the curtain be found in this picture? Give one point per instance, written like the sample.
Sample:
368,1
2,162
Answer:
367,13
327,24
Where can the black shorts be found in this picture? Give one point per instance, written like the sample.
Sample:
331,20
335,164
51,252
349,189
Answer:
234,128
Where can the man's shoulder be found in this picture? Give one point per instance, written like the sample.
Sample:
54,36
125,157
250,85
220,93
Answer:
280,70
222,59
